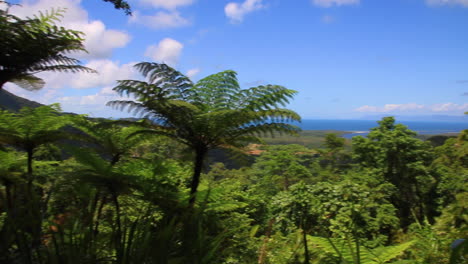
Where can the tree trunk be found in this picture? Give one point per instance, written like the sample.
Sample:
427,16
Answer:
30,161
119,247
306,248
200,154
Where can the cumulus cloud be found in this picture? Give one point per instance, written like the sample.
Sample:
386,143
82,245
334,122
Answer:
193,72
330,3
236,11
92,104
167,51
413,107
100,98
108,72
99,42
447,2
160,20
167,4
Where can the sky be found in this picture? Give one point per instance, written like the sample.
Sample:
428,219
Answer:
348,59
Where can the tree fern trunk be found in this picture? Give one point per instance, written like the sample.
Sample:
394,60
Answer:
197,168
30,161
118,240
306,249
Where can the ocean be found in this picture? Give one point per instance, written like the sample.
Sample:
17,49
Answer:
362,127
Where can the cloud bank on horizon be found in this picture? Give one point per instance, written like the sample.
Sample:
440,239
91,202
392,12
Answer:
413,107
311,38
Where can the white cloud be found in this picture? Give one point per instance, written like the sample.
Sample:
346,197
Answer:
193,72
236,11
413,107
160,20
391,108
449,107
100,98
167,51
92,104
330,3
447,2
108,72
367,108
167,4
402,107
99,41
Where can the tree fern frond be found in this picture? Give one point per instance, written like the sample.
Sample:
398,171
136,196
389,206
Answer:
36,44
266,97
165,77
28,82
385,254
130,106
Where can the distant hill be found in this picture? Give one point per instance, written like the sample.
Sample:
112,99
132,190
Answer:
11,102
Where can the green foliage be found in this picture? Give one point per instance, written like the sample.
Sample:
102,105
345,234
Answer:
283,166
452,166
333,142
124,193
402,160
338,210
348,251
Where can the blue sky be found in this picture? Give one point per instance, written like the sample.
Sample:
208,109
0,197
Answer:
346,58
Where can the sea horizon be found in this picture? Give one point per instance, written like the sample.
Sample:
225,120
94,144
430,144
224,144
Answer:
362,127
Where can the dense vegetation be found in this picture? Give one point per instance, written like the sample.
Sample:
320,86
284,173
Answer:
81,191
76,190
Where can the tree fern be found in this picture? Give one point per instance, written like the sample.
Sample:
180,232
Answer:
214,112
34,45
31,128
